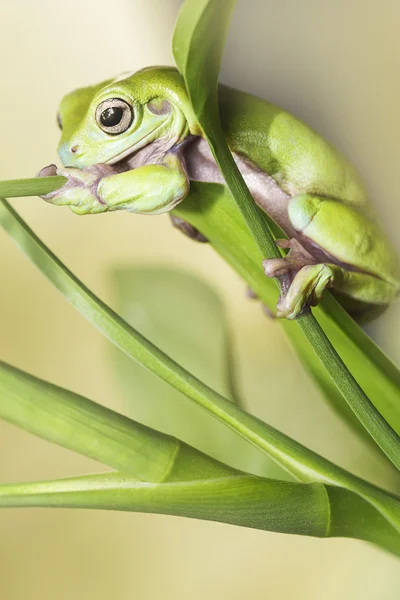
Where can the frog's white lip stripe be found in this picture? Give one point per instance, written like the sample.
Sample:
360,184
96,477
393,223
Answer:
130,151
133,149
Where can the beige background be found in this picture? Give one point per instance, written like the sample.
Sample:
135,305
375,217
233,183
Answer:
335,64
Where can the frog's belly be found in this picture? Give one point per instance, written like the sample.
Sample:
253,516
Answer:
201,166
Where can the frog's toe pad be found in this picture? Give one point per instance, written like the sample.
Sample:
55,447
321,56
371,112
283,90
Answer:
49,171
305,290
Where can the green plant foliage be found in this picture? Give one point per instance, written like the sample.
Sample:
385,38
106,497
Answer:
303,509
193,332
174,478
198,45
78,424
300,462
210,204
239,499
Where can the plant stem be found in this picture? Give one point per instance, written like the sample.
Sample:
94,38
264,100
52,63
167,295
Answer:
34,186
198,44
385,437
298,460
381,432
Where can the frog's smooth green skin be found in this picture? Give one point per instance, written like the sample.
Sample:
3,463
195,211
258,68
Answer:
133,143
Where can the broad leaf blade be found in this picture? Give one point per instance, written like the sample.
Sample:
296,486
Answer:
76,423
182,314
199,36
198,45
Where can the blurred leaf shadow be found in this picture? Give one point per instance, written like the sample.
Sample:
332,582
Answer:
185,317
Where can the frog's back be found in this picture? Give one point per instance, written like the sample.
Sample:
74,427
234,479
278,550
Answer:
301,162
299,159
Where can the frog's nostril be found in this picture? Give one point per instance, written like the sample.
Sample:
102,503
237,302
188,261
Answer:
74,149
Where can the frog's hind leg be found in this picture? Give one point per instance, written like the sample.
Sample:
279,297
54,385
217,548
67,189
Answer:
305,287
188,229
332,229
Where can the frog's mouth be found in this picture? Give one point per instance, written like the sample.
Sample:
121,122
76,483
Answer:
146,151
126,162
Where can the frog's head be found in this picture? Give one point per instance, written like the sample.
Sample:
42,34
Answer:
111,121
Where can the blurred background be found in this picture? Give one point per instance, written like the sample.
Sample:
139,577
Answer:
334,64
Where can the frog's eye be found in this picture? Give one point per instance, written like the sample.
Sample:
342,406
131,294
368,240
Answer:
59,121
114,116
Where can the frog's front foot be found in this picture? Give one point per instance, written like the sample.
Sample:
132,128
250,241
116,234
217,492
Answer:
80,190
302,279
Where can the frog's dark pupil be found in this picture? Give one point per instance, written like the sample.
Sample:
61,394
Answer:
111,116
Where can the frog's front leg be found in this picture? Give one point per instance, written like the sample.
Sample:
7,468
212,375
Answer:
149,189
80,190
352,245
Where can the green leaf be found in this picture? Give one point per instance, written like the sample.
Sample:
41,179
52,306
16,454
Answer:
210,204
305,349
241,499
78,424
300,462
199,35
303,463
176,479
74,422
198,47
302,509
377,374
198,44
193,331
206,488
124,337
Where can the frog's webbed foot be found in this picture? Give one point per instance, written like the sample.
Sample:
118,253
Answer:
188,229
288,266
302,279
80,190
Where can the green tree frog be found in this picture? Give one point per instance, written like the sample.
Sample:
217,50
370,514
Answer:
134,143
